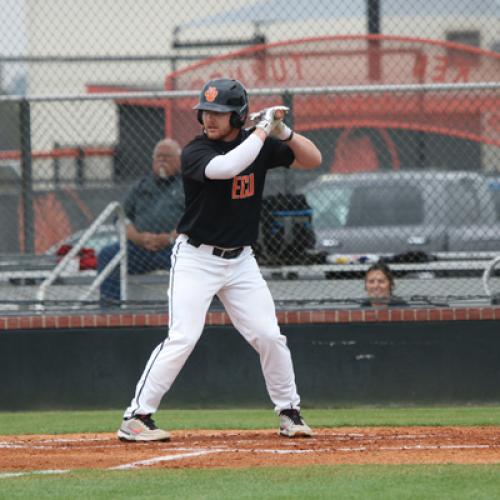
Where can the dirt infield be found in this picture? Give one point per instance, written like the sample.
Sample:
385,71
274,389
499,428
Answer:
204,449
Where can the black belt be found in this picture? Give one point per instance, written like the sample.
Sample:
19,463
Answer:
220,252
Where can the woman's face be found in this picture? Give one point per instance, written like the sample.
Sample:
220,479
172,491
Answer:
377,284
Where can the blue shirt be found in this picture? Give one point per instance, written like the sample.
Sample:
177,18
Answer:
155,205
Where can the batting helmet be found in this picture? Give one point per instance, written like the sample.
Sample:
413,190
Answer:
224,96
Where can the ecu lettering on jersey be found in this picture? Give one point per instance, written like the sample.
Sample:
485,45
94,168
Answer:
243,187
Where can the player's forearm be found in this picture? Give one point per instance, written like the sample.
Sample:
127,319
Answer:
307,155
231,164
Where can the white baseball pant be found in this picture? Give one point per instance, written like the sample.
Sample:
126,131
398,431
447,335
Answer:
196,276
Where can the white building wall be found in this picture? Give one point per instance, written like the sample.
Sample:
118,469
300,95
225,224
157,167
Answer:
97,28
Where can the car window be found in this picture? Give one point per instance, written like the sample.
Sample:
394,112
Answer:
463,203
330,205
366,205
386,205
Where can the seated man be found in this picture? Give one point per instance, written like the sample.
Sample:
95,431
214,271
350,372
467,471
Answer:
152,207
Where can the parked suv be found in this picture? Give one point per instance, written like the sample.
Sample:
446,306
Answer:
411,211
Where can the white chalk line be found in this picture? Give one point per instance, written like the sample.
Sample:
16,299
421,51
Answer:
168,458
180,456
335,435
33,472
440,447
165,458
197,452
28,446
382,437
44,444
340,437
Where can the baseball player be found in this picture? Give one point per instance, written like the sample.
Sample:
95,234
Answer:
223,173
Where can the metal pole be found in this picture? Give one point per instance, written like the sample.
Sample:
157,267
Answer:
26,177
57,167
80,167
373,25
288,101
373,16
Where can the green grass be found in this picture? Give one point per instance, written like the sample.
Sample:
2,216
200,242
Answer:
60,422
384,482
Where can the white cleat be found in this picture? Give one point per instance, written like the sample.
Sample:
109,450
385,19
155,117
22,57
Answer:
141,428
293,425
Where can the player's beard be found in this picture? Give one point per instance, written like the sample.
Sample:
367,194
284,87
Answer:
220,132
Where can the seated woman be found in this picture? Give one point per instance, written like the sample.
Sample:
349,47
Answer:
379,284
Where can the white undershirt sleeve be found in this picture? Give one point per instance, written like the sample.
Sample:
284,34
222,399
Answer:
231,164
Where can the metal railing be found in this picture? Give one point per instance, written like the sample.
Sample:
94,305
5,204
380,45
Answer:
488,272
120,258
263,92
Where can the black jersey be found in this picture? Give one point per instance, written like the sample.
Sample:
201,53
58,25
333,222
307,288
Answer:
226,212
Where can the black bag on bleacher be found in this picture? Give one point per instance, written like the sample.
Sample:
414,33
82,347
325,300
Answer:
286,233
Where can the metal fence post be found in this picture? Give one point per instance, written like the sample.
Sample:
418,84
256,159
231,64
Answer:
288,101
373,25
26,177
57,167
80,167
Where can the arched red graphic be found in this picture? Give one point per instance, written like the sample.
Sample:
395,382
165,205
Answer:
356,151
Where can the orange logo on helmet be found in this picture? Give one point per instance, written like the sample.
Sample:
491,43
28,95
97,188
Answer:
210,94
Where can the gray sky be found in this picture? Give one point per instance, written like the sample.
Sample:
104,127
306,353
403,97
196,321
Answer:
12,33
263,10
12,39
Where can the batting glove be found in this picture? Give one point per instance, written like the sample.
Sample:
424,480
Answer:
278,128
265,120
259,115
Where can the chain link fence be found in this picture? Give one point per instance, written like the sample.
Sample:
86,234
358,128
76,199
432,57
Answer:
403,102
